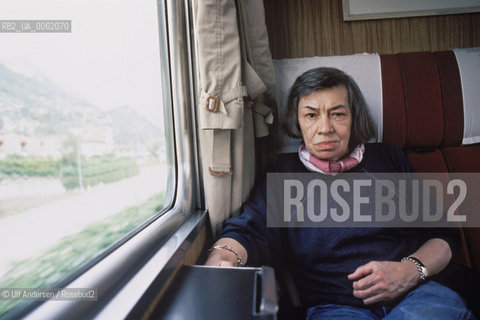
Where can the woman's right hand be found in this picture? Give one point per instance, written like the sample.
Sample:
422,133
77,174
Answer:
221,257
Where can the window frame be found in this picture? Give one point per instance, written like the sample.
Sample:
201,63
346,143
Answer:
122,276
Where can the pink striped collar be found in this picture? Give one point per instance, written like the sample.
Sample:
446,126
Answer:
330,167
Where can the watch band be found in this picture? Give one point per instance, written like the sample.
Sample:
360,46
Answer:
422,270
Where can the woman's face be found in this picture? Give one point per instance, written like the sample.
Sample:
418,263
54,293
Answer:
326,121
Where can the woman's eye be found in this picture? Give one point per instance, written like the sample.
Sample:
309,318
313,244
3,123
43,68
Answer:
310,115
338,115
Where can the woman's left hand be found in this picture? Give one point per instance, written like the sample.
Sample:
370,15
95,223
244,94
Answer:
379,281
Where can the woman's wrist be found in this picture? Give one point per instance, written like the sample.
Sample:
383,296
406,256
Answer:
412,273
227,251
230,249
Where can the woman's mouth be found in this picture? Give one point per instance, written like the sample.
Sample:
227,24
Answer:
327,145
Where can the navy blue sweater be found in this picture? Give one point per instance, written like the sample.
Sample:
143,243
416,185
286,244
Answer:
321,258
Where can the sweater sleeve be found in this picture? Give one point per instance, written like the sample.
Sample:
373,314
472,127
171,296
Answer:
263,244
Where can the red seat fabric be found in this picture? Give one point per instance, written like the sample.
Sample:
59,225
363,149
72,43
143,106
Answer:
394,119
423,101
452,100
423,114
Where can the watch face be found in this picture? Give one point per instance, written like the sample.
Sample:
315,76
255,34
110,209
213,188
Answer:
424,271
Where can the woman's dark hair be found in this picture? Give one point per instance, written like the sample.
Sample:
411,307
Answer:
363,127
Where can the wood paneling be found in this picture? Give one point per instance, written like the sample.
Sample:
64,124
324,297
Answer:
304,28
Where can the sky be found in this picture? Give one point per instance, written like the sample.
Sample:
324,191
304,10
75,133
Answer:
111,57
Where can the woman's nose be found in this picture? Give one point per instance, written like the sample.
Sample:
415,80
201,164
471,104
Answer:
324,125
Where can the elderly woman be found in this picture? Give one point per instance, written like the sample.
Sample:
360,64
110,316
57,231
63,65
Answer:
343,273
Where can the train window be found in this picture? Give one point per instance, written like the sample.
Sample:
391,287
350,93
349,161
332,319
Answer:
84,154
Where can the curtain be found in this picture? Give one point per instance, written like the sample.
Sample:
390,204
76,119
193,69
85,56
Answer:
236,78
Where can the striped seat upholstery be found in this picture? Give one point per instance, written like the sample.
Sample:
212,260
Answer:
423,115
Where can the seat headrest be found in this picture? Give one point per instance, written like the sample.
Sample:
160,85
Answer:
469,66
